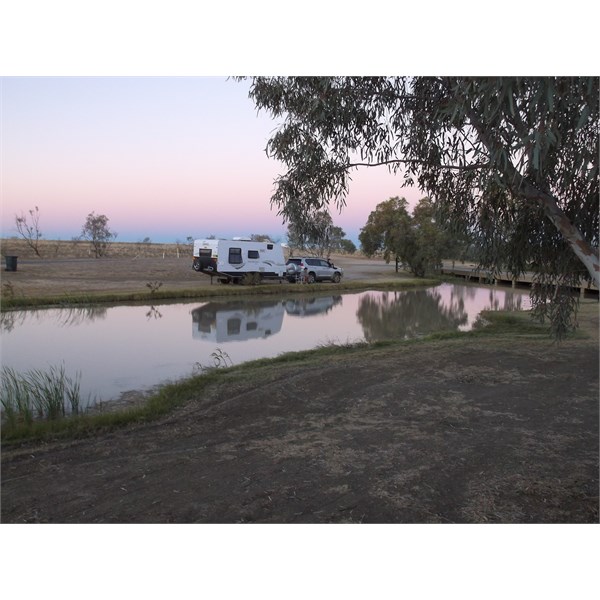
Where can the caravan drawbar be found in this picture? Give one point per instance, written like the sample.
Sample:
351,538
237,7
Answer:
239,261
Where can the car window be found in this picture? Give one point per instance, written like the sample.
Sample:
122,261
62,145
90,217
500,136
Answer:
312,261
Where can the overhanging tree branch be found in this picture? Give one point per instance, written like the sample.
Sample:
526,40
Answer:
472,167
521,187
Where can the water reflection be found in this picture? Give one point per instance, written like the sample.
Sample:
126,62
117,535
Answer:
237,321
306,307
64,317
121,348
401,315
250,319
153,313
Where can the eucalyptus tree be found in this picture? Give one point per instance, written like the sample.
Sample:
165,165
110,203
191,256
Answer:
387,227
417,240
317,235
466,142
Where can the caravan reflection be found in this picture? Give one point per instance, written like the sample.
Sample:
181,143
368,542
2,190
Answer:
309,306
236,321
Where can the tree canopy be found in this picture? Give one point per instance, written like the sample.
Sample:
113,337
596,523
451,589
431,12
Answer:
416,240
317,236
514,159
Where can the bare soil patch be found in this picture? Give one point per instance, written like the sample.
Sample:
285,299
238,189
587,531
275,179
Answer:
463,430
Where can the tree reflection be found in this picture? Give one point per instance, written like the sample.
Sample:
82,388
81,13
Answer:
65,317
153,313
402,315
10,319
78,315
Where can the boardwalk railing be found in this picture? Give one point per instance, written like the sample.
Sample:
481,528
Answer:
471,273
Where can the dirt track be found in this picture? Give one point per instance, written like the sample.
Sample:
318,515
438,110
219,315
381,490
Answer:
449,431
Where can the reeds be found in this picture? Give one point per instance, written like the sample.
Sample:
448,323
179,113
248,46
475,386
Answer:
38,394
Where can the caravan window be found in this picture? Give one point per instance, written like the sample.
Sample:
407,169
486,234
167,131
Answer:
235,256
269,246
234,326
252,253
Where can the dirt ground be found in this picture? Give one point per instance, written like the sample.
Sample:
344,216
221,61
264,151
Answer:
63,276
449,431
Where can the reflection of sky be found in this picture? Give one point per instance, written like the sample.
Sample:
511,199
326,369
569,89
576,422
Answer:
117,349
477,299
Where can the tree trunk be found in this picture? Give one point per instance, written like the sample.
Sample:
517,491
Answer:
520,187
583,250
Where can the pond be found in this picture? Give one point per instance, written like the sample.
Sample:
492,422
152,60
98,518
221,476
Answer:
116,349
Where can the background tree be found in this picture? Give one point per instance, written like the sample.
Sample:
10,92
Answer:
95,229
260,237
417,241
428,242
334,240
461,140
347,246
29,229
317,236
386,227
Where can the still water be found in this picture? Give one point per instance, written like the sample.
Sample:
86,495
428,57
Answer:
122,348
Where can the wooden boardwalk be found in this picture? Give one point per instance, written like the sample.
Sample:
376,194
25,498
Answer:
470,273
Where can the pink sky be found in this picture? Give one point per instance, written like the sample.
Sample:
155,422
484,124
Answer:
161,157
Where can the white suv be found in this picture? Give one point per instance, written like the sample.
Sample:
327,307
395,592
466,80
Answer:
317,269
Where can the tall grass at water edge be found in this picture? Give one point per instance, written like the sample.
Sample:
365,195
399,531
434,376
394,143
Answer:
38,394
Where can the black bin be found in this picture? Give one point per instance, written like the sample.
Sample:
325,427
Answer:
11,263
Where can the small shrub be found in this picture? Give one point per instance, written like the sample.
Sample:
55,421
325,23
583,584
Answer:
221,360
154,286
8,290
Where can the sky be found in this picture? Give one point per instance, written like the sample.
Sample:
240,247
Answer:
161,157
124,108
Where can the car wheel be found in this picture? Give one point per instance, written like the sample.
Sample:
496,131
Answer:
311,278
336,277
196,265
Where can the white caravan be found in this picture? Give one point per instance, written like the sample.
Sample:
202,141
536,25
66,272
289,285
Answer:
239,261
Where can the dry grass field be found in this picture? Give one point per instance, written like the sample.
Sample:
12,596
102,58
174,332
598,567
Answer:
57,249
67,269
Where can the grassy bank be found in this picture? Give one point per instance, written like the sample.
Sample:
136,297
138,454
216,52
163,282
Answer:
495,327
